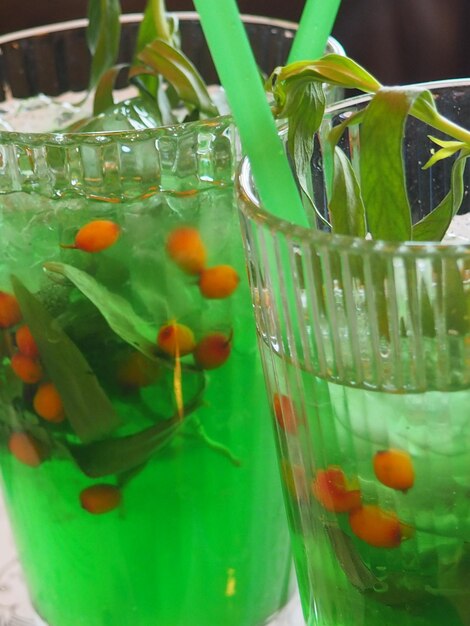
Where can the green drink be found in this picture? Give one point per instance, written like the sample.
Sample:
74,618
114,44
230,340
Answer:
136,454
186,545
365,346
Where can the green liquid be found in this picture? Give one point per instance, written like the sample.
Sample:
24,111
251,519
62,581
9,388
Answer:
200,537
345,581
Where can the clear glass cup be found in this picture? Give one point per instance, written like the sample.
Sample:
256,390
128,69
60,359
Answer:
136,457
366,354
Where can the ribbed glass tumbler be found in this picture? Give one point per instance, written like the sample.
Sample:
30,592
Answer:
366,353
136,457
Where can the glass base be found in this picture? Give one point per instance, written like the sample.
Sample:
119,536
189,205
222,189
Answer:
289,615
16,609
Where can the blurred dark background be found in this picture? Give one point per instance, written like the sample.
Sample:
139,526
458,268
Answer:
400,41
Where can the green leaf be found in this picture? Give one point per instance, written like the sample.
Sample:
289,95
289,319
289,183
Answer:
358,574
122,454
434,225
304,105
337,131
103,36
449,148
455,301
154,25
382,169
347,212
118,313
88,409
333,69
178,70
103,98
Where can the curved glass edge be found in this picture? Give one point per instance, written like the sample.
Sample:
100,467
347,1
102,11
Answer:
61,138
252,209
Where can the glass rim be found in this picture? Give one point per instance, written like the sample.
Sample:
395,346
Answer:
251,207
62,138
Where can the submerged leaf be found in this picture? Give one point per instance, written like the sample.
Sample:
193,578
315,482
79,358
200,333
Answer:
87,407
119,314
122,454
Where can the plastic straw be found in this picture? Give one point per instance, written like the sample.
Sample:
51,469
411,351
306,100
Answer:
314,29
241,80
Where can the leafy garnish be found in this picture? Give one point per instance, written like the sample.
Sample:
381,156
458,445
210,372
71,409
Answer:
104,90
103,35
382,168
122,454
346,205
119,314
88,409
156,25
161,58
376,178
435,224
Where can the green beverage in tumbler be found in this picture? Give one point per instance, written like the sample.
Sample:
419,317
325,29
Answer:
365,346
136,458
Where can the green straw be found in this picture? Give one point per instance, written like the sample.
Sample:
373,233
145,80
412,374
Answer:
315,27
241,80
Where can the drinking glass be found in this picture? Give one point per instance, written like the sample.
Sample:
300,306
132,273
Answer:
136,457
366,353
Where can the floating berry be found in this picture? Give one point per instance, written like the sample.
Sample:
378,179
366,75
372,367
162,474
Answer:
48,404
218,282
285,413
185,246
10,313
137,371
378,528
334,491
26,343
27,369
213,350
176,339
99,499
394,468
26,449
96,236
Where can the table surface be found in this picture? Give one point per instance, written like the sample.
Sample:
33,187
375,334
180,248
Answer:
15,608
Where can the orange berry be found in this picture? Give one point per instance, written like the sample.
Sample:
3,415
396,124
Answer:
184,245
26,449
48,404
378,528
334,492
285,413
96,236
10,313
394,468
99,499
26,343
27,369
176,339
137,371
218,282
212,351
